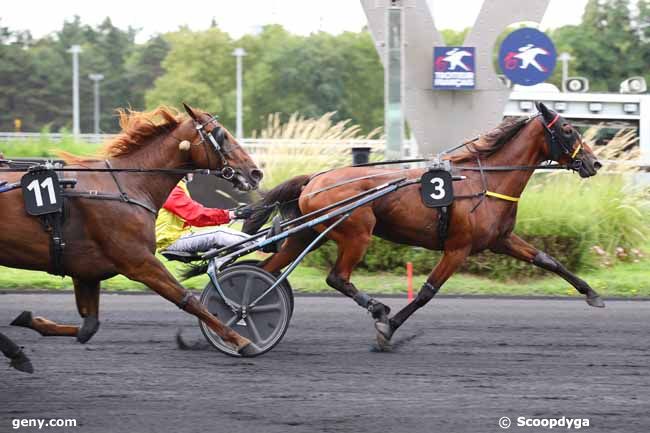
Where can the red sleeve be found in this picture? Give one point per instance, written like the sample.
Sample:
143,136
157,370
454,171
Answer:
192,212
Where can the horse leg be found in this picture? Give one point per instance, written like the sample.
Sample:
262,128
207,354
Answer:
353,238
450,262
518,248
11,350
153,274
87,297
288,252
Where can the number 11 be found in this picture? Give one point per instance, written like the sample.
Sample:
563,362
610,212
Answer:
46,184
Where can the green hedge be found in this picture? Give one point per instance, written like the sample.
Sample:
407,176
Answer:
567,217
385,256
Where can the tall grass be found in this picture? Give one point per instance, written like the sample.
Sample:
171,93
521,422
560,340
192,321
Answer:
305,145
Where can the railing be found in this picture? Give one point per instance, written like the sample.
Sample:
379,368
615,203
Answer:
259,146
252,145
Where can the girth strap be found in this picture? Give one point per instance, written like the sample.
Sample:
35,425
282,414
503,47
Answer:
53,224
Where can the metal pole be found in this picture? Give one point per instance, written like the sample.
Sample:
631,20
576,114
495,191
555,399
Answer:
96,116
394,81
239,53
564,58
75,50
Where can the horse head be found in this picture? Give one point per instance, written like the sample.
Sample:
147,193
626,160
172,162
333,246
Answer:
565,145
217,149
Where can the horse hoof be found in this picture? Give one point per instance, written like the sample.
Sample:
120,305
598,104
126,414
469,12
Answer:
22,363
595,301
384,329
24,319
250,350
88,329
383,343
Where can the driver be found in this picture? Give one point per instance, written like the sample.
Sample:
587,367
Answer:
180,216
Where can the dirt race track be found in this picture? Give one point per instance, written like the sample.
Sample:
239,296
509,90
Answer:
459,366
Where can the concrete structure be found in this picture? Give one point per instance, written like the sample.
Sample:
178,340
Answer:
439,118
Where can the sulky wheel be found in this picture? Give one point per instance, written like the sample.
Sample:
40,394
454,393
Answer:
264,323
285,283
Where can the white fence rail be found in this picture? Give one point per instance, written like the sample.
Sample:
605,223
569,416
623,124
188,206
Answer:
252,145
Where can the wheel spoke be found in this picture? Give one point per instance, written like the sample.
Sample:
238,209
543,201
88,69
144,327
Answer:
245,299
232,320
266,308
253,329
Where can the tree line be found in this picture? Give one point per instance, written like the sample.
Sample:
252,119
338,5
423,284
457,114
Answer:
283,72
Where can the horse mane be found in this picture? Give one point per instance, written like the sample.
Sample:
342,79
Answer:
139,128
493,141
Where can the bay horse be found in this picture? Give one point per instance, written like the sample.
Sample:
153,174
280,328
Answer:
477,222
104,238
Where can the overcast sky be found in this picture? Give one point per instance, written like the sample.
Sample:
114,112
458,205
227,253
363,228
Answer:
238,17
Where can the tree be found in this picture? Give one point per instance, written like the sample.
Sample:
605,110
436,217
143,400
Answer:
607,46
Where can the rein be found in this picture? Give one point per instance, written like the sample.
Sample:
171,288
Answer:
574,165
49,166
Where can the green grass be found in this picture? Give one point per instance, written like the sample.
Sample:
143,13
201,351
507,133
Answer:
43,147
623,280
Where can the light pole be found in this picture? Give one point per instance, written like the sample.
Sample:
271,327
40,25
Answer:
564,58
96,79
239,53
75,50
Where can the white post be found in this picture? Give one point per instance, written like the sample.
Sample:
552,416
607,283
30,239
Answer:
96,79
75,50
239,53
394,82
564,58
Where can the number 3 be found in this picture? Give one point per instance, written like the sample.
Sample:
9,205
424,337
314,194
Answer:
439,191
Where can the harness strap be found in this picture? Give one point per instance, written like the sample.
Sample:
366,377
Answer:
577,149
93,195
502,196
123,195
552,122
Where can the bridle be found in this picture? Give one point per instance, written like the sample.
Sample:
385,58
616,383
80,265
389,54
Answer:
558,147
216,138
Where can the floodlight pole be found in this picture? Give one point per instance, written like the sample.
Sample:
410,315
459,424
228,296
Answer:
96,117
75,50
239,53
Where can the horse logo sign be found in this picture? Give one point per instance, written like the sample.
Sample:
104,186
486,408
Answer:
454,68
527,56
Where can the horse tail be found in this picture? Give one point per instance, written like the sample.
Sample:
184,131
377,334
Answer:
194,270
285,192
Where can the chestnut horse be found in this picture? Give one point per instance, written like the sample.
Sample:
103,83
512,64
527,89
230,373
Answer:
104,238
476,222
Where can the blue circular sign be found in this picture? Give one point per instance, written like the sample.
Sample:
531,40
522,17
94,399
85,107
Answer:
527,56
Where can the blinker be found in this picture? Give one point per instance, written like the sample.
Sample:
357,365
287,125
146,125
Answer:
217,137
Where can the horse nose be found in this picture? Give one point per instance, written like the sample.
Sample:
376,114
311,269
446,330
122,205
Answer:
257,175
598,165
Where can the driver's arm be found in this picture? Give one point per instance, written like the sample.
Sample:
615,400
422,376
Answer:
193,213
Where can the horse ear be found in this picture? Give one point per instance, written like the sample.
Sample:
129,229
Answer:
189,110
545,112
